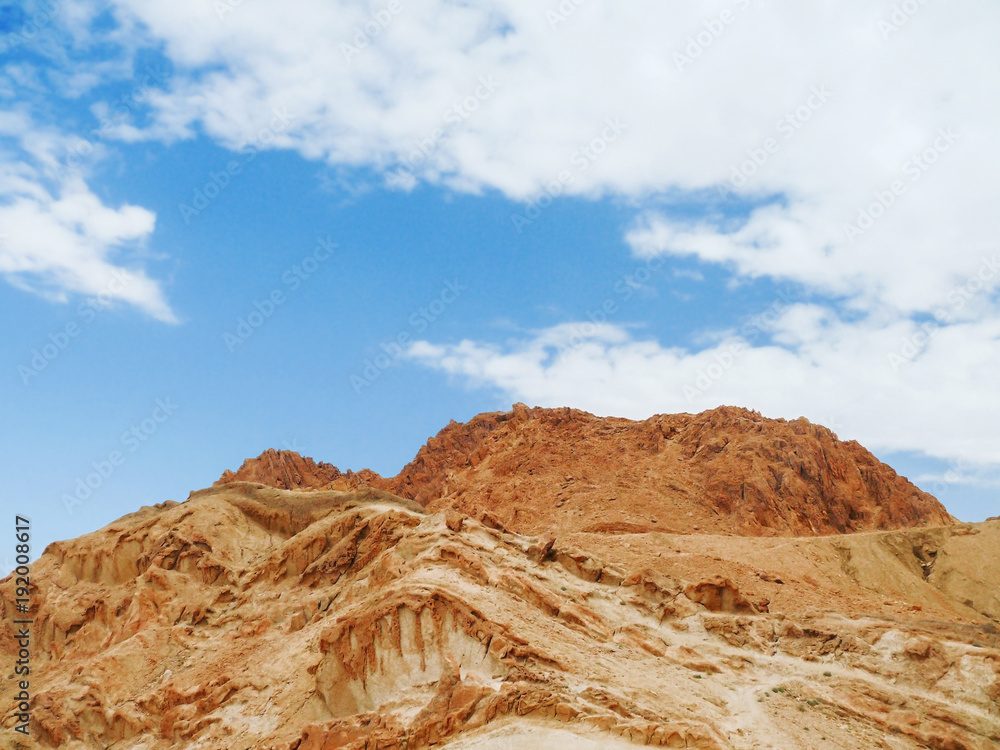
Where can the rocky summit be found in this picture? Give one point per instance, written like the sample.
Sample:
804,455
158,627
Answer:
726,471
540,578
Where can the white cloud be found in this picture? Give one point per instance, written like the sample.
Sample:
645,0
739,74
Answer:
833,103
57,237
820,114
939,398
959,477
835,119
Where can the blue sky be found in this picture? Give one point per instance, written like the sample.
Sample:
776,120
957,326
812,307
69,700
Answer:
225,227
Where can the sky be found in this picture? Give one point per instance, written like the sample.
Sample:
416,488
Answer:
332,227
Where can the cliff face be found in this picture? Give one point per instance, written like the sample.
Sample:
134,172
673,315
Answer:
252,617
728,470
285,470
528,580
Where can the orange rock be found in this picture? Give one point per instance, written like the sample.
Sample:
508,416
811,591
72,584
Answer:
727,470
337,614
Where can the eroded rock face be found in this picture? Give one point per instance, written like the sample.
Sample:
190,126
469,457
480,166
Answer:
728,470
531,579
253,617
286,470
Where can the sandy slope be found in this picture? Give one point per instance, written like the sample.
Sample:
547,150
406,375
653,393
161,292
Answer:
251,617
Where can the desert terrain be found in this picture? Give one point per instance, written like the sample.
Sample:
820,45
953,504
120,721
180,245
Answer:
537,578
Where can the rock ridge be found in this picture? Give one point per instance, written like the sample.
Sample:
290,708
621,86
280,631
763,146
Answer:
255,617
727,470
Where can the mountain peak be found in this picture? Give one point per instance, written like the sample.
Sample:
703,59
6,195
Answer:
293,606
283,469
727,470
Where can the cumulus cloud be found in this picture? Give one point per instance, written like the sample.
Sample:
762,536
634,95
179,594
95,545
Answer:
859,137
867,144
857,140
57,237
889,384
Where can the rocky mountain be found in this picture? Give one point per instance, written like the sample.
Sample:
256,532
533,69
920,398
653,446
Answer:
311,617
285,470
728,470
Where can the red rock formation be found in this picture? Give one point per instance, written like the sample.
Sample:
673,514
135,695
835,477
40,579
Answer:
285,470
727,470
